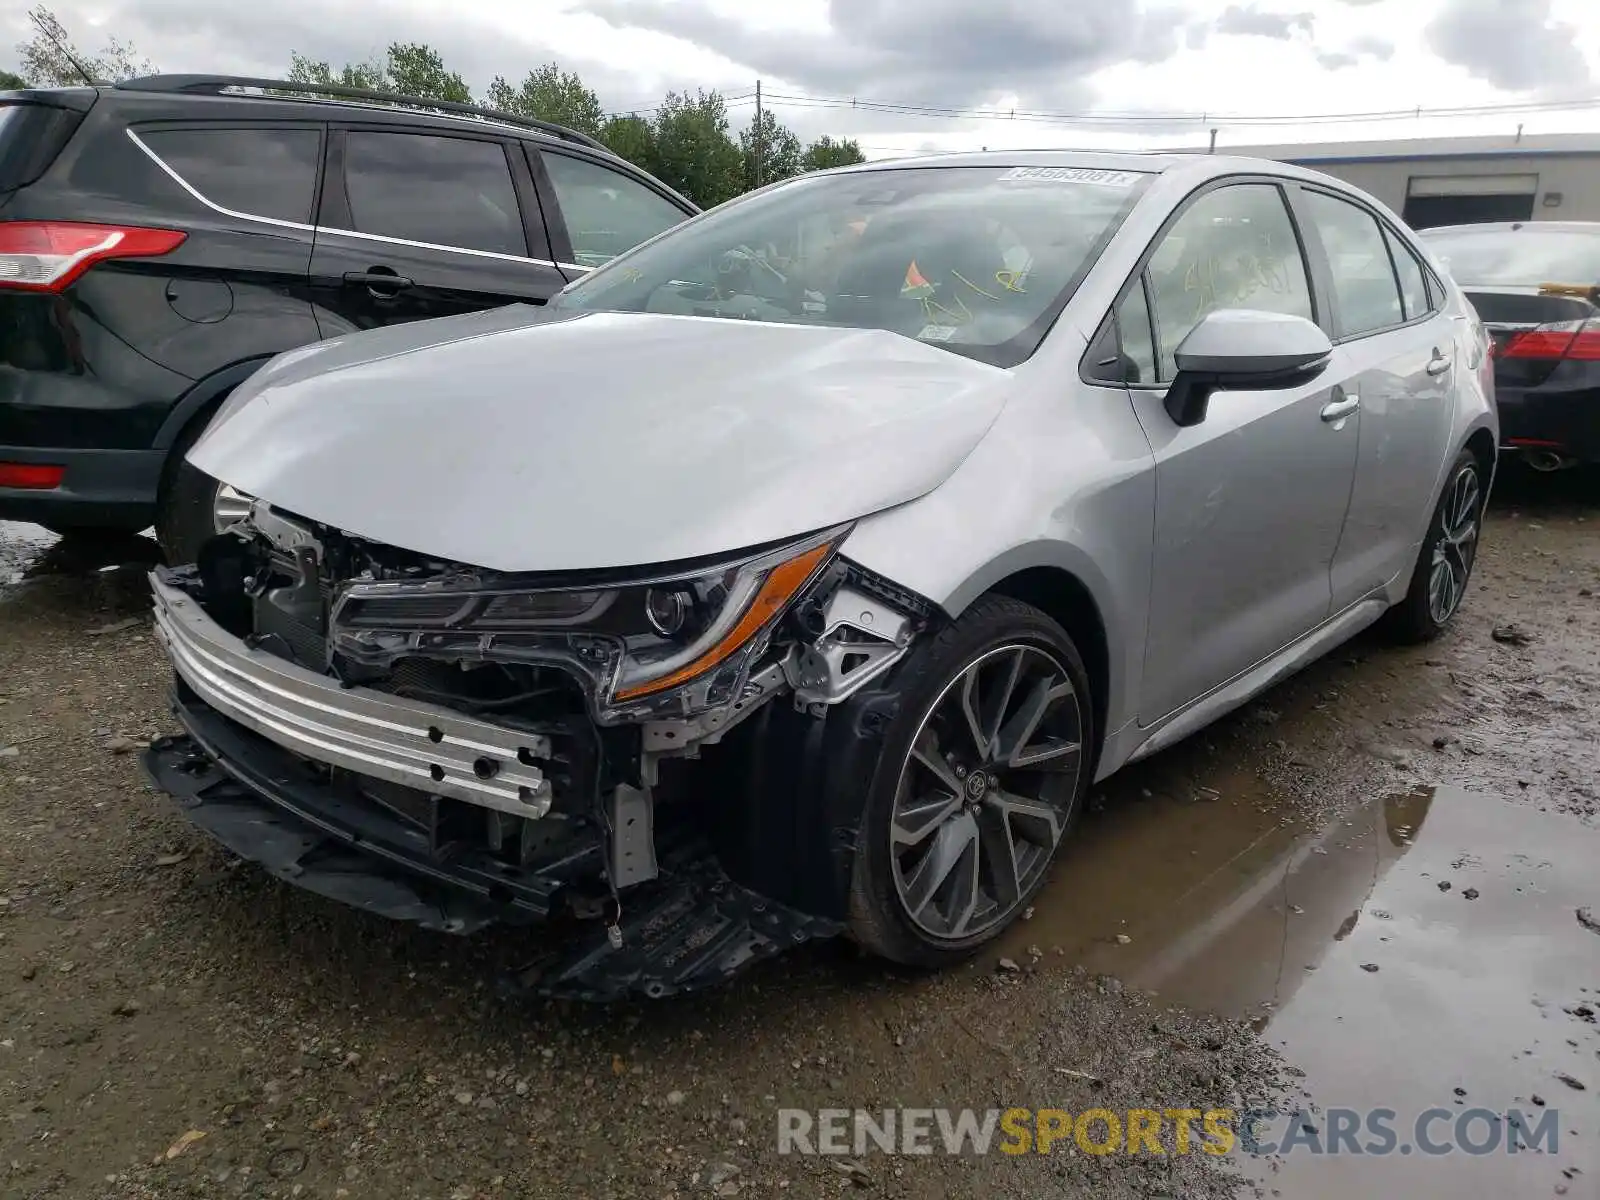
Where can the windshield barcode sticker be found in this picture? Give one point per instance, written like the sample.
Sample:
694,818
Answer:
1070,175
937,333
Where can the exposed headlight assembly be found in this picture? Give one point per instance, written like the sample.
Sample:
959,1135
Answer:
678,643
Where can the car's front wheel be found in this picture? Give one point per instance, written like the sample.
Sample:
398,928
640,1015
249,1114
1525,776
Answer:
983,773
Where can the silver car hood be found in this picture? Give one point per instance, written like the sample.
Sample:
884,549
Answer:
521,440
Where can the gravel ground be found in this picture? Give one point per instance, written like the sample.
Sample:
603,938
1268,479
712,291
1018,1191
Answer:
176,1024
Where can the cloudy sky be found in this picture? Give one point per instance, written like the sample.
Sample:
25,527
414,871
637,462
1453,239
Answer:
1074,72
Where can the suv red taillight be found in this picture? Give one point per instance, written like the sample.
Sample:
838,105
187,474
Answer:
46,256
1578,340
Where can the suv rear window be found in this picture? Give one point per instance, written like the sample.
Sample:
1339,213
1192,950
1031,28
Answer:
445,191
606,212
31,135
259,172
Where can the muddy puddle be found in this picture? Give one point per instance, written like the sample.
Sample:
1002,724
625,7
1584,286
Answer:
20,547
1422,952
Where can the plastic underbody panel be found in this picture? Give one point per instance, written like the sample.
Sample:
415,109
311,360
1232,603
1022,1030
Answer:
690,928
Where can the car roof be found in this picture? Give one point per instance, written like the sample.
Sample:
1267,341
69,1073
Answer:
375,105
1153,162
1090,159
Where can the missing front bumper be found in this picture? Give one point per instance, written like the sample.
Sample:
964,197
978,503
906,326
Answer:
689,929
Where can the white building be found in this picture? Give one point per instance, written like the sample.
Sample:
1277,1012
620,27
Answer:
1449,181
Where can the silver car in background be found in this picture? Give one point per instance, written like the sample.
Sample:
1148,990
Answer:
799,571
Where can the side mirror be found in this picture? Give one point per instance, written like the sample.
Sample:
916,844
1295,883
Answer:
1246,349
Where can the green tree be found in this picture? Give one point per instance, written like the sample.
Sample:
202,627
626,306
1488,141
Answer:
825,152
361,75
10,82
770,142
693,151
551,94
417,70
632,138
410,68
49,58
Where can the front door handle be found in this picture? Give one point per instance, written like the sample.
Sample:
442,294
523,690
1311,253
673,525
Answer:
1338,409
1439,363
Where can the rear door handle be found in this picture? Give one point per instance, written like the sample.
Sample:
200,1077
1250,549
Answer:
378,281
1438,364
1337,410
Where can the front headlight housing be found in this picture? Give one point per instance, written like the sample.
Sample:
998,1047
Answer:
680,642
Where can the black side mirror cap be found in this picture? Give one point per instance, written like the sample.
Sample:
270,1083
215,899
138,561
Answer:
1190,394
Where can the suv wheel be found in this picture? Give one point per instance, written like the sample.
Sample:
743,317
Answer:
983,774
193,505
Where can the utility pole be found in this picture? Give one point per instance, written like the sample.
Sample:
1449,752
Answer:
760,153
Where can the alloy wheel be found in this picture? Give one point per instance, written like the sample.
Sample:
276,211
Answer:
985,792
228,508
1456,546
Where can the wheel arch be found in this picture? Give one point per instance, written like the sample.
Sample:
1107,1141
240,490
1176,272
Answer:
201,400
1481,442
1068,600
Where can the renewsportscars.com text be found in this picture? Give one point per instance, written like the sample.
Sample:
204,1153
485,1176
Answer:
1214,1131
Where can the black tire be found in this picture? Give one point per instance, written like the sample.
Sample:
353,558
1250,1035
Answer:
186,512
1418,618
879,920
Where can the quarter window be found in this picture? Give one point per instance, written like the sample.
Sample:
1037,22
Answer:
1413,284
1234,247
258,172
445,191
1364,283
606,212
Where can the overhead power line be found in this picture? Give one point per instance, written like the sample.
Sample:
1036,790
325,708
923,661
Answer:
648,109
1113,119
1100,116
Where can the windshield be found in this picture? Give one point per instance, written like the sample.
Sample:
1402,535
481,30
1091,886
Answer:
1526,257
978,260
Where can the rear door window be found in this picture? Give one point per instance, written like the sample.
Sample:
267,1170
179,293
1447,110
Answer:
1413,283
443,191
257,172
606,212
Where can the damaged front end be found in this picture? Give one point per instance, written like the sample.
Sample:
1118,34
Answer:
455,746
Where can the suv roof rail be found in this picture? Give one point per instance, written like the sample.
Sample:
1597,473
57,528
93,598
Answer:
215,85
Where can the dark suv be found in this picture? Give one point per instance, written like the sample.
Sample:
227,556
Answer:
162,238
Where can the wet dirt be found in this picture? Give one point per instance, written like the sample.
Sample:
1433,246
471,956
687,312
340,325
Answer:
1202,943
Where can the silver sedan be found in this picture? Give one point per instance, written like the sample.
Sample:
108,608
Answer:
854,527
